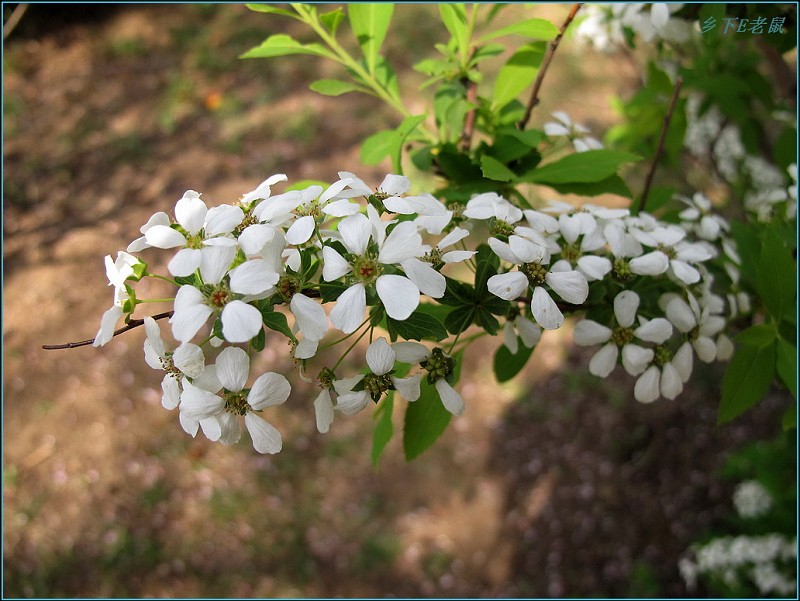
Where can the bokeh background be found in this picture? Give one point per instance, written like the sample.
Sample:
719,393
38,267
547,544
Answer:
557,484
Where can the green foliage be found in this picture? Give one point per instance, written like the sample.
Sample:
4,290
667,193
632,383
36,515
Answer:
508,364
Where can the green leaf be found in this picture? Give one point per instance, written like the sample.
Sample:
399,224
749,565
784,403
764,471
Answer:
786,365
370,23
377,147
760,335
789,421
260,341
495,170
277,321
332,19
267,8
777,276
334,87
485,319
401,134
508,365
746,380
582,167
418,326
517,74
610,185
460,319
283,45
425,421
383,428
539,29
454,17
487,264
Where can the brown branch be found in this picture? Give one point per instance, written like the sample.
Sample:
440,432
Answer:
659,151
469,121
546,63
133,323
14,19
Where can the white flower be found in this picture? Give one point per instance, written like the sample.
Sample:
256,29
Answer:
688,317
140,244
523,328
439,366
204,229
491,204
635,358
187,359
117,272
751,499
315,203
574,131
380,359
399,294
232,371
263,190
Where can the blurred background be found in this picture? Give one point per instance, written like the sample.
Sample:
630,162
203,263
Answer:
557,484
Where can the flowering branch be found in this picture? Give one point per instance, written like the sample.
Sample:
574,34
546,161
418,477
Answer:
133,323
551,49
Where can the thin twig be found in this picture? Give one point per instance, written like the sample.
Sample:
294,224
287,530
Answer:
469,121
133,323
667,118
13,20
545,63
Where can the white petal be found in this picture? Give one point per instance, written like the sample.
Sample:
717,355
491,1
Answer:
526,250
352,402
199,404
399,205
456,235
185,261
588,332
341,208
163,236
189,425
503,250
223,219
571,286
230,432
212,428
208,380
407,387
189,359
570,226
682,361
348,313
233,367
671,384
263,189
254,237
306,348
725,348
171,392
685,272
187,297
428,280
604,360
555,129
380,357
253,277
187,322
404,242
190,212
528,331
410,352
653,263
334,265
310,316
266,438
301,230
451,400
323,408
656,330
456,256
345,385
635,358
214,262
545,311
240,321
395,184
659,14
705,348
399,295
510,338
626,303
509,285
268,390
681,316
355,230
646,389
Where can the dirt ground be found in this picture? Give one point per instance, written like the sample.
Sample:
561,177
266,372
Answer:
558,484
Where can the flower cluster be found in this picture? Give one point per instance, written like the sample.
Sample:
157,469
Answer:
346,257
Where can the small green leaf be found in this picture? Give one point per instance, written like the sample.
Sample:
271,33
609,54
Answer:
746,380
377,147
283,45
777,276
383,428
517,74
454,17
330,291
789,421
334,87
538,29
495,170
418,326
786,365
370,23
425,421
332,19
759,335
589,166
260,341
508,365
277,321
267,8
610,185
460,319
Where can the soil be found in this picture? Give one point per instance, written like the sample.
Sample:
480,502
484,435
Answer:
558,484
